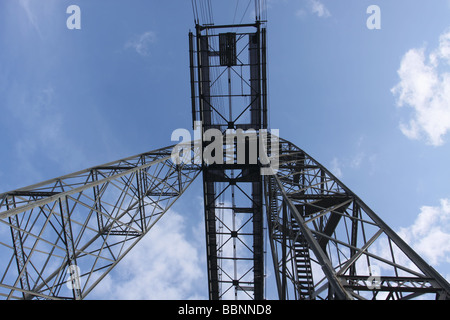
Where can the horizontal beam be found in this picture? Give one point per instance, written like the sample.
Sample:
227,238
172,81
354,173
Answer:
205,27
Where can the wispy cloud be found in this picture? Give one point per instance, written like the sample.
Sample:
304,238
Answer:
425,88
336,168
27,7
314,7
361,158
142,43
319,9
40,130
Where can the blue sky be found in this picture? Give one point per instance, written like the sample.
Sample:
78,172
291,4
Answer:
373,106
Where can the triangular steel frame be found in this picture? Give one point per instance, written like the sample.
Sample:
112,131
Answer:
352,253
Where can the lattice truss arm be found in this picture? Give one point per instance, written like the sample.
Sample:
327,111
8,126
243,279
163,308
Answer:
59,238
327,244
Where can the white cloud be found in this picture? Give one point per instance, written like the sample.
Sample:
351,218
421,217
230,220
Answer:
314,7
425,87
429,235
142,43
164,265
319,8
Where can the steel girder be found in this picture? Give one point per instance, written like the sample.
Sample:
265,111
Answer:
67,233
328,244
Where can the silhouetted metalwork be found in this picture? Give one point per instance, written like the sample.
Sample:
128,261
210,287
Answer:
229,93
86,221
328,244
60,238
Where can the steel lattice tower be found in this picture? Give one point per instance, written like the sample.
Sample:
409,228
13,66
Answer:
61,237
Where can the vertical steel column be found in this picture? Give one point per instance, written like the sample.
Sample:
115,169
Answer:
19,253
240,256
70,248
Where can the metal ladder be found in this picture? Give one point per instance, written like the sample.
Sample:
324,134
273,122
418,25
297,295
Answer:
305,284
